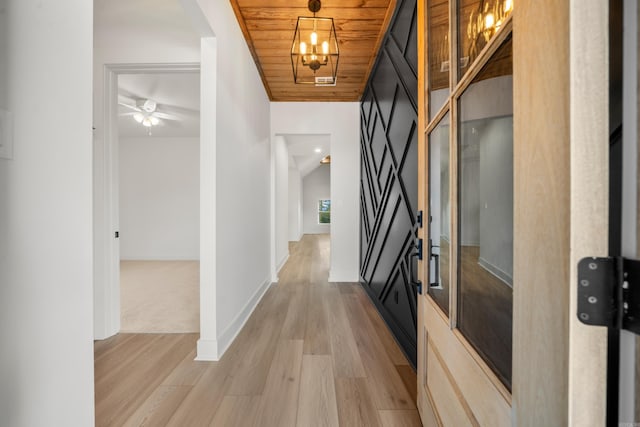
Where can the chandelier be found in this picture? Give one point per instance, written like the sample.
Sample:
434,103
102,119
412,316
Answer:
314,52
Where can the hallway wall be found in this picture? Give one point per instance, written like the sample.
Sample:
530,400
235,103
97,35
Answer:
46,355
295,205
281,157
316,186
242,176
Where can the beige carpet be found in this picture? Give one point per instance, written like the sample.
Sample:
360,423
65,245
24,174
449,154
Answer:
159,296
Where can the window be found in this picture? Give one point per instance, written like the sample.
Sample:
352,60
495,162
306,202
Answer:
324,211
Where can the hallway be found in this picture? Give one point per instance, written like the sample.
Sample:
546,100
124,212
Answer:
312,353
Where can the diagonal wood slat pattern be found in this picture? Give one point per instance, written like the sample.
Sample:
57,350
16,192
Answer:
268,28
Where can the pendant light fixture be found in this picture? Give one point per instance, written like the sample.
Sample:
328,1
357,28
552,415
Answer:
314,52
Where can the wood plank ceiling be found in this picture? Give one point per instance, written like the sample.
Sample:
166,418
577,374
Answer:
268,27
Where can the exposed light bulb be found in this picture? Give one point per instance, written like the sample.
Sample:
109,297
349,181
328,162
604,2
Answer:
314,38
508,5
138,117
489,21
303,48
325,47
318,150
154,120
146,122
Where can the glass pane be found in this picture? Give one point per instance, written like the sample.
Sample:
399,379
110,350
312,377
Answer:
439,208
485,294
438,39
478,21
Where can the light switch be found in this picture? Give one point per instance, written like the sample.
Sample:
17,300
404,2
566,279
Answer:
6,134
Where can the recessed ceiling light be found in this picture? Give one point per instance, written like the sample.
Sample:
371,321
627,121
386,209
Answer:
318,150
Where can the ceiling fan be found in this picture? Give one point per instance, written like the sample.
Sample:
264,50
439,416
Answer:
144,111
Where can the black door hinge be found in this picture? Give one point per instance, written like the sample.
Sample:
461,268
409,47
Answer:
609,292
419,219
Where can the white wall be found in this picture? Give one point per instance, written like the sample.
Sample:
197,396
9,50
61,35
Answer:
159,198
316,186
281,157
295,205
46,355
340,120
243,167
496,195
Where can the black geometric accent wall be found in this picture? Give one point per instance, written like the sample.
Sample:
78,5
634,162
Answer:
389,178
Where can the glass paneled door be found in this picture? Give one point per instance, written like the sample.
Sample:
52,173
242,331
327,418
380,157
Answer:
465,326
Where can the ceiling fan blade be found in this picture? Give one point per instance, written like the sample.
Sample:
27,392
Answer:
165,116
130,113
132,107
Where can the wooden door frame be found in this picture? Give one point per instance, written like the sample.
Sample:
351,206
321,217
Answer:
109,309
561,207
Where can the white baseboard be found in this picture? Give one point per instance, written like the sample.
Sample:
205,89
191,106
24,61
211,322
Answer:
160,258
343,276
226,338
207,350
496,271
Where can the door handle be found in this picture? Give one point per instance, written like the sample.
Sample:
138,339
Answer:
414,281
436,259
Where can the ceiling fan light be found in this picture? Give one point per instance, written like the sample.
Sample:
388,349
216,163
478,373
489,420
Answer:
149,106
146,122
154,120
138,117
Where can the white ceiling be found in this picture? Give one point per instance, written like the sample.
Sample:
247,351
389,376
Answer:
302,154
177,94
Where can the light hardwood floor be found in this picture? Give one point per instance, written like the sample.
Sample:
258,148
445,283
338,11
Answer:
312,353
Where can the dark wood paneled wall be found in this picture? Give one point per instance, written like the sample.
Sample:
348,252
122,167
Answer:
389,177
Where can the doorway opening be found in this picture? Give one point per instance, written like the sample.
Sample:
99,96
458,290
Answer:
303,191
158,201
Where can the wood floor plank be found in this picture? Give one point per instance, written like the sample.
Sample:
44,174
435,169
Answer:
296,321
381,328
355,404
159,407
250,375
126,393
402,418
279,403
346,358
188,371
408,376
236,411
199,406
317,402
116,358
316,337
386,386
103,348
